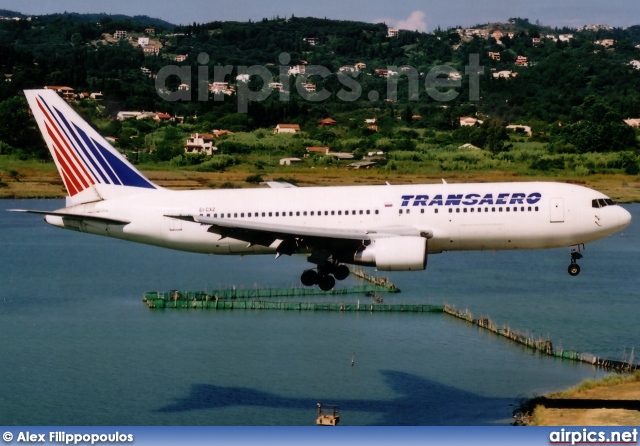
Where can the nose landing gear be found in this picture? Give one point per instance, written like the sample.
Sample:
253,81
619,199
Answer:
574,268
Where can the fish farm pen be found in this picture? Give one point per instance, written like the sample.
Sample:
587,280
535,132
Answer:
279,299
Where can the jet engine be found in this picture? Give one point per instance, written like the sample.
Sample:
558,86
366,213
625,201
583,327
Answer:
394,254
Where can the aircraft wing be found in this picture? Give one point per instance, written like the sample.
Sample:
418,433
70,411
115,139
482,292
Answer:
82,217
260,233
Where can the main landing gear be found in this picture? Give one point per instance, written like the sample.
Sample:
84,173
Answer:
325,276
574,268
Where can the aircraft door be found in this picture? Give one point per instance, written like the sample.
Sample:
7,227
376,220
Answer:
557,210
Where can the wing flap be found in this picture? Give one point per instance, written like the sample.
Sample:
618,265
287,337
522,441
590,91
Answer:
263,233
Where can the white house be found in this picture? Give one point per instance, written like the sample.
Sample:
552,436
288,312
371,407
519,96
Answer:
200,143
289,161
122,115
466,121
296,69
143,41
505,74
287,128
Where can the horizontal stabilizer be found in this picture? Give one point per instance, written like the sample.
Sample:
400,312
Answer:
83,217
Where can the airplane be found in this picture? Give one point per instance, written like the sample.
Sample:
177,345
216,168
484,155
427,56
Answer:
390,227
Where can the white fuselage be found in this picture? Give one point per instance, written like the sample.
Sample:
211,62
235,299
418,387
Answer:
483,216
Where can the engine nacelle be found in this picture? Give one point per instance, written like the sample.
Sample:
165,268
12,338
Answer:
394,254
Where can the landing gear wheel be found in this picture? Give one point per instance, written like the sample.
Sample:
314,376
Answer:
574,269
341,272
309,277
326,283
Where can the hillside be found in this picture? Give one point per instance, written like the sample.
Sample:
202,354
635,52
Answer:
402,94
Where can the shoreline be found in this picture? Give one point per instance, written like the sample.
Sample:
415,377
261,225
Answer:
44,182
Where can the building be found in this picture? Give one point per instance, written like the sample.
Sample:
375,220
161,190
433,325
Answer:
360,66
466,121
494,56
221,133
200,143
392,32
505,74
67,93
287,128
521,61
310,40
221,88
289,161
276,86
162,117
120,35
322,150
326,121
96,96
181,57
297,69
150,30
565,37
348,69
635,64
607,43
122,115
524,128
632,122
309,87
151,50
143,41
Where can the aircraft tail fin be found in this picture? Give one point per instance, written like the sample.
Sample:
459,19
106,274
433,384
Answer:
84,158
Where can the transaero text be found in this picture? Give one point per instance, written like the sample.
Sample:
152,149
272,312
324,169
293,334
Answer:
471,199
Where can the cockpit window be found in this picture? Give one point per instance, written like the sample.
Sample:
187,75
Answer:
602,202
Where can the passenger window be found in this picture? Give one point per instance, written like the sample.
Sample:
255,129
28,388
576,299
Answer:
377,211
298,214
457,210
361,212
422,211
270,214
536,208
368,212
436,210
400,211
242,215
464,210
339,212
304,213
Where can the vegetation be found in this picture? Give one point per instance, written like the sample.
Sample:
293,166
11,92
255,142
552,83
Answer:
572,94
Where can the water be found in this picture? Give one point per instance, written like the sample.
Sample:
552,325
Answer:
79,348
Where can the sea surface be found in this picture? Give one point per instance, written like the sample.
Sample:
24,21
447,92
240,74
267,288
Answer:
78,347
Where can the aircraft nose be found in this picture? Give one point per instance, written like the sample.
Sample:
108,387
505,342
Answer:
624,218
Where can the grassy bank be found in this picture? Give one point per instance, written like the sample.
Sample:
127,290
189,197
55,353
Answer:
613,387
34,179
